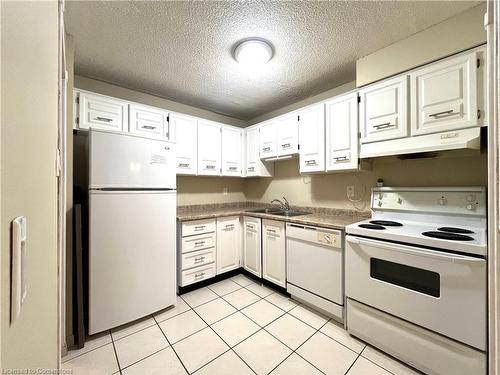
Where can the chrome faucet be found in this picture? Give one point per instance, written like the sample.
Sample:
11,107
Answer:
283,205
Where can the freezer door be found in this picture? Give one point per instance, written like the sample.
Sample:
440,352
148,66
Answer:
132,256
129,161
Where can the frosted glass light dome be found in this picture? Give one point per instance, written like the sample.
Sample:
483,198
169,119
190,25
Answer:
252,52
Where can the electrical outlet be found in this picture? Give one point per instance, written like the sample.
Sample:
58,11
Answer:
350,191
224,191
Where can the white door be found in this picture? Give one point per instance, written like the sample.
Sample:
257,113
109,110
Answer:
268,140
129,161
147,121
252,245
312,139
444,95
383,110
228,244
231,151
254,166
342,133
288,134
102,112
132,256
209,148
274,252
186,143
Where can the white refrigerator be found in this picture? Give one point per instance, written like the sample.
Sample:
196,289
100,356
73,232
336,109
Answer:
132,228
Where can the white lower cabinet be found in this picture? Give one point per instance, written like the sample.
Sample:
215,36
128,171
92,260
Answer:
274,252
252,235
228,244
197,258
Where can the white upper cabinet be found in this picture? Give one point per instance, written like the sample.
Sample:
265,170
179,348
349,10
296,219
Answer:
228,244
268,140
254,166
288,134
209,148
312,139
384,110
186,143
342,133
148,121
231,151
101,112
444,95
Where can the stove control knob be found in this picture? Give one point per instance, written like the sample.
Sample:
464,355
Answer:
380,195
400,201
380,203
470,198
442,201
470,207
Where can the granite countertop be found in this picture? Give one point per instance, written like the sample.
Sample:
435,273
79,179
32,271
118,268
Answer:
318,216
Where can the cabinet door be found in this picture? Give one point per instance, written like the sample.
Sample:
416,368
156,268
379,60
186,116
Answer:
384,110
252,245
101,112
187,143
231,151
228,244
209,148
254,166
147,121
342,133
312,139
273,252
268,140
288,134
444,95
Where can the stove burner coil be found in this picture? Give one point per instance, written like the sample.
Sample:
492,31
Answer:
448,236
455,230
386,223
371,226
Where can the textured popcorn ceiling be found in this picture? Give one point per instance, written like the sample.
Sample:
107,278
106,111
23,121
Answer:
183,50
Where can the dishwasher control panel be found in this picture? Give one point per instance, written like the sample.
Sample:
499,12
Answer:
329,238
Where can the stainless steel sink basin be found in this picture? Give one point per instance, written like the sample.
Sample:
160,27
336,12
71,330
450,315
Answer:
270,210
290,213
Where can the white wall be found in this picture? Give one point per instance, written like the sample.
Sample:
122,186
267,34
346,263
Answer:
29,72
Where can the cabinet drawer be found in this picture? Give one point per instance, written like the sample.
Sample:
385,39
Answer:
197,274
198,227
198,258
198,242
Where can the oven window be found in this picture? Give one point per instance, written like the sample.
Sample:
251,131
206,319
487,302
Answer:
417,279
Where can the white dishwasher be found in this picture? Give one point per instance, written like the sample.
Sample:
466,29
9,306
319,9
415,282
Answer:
315,267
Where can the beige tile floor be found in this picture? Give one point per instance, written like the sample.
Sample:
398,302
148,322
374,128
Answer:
233,327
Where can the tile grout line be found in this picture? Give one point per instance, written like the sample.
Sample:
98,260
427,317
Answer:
171,345
352,364
116,354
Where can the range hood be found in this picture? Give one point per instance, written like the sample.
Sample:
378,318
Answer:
450,140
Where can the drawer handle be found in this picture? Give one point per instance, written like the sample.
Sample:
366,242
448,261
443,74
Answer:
210,167
310,162
199,259
265,149
385,125
285,145
229,226
442,114
251,169
233,168
183,165
199,227
341,158
270,230
199,243
105,119
199,275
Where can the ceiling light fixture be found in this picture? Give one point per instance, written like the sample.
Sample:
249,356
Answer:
253,51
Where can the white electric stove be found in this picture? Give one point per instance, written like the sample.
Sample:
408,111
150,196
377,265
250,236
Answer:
416,277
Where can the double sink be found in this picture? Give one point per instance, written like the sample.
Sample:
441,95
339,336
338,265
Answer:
278,212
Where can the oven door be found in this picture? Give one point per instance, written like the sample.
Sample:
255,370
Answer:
443,292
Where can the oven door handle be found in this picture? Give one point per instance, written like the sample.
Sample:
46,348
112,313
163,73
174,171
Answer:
412,251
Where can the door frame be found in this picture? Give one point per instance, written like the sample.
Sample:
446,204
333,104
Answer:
492,25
